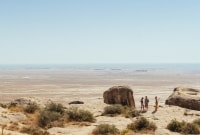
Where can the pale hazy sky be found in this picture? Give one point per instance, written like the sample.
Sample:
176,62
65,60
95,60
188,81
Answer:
99,31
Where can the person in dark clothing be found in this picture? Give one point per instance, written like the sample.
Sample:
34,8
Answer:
142,104
156,103
146,102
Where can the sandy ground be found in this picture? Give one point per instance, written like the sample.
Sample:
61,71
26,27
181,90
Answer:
65,85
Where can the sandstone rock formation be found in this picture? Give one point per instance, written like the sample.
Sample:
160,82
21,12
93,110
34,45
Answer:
185,97
119,95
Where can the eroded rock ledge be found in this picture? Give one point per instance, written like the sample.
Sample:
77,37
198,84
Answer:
185,97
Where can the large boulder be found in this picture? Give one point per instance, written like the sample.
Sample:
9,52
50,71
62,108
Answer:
185,97
119,95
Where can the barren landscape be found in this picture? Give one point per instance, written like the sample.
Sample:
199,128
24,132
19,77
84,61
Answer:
88,85
99,67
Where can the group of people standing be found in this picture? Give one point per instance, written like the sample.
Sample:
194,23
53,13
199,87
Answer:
145,103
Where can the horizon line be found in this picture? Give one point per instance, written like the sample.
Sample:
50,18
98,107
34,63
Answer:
106,63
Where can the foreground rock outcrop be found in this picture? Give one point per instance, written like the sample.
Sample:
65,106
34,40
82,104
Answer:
119,95
185,97
27,101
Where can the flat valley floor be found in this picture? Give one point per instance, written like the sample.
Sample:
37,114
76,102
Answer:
88,85
64,85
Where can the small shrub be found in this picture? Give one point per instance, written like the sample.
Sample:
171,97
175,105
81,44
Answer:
15,107
152,126
54,107
3,105
191,128
113,109
134,113
175,126
31,108
46,117
142,124
197,121
124,132
51,115
34,131
183,127
12,104
75,114
105,129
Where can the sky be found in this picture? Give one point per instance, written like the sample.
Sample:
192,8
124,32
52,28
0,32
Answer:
99,31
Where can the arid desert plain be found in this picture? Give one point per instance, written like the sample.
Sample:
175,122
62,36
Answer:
63,85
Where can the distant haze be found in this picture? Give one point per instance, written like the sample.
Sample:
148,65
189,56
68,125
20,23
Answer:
104,31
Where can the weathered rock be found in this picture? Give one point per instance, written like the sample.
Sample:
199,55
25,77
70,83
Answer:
26,101
119,95
185,97
76,102
9,132
6,116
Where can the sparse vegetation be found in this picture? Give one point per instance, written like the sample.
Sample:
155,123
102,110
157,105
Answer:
75,114
190,128
197,121
54,107
175,126
34,131
31,108
3,105
133,113
51,115
11,105
113,110
105,129
142,124
183,127
15,108
46,117
117,109
124,132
